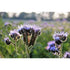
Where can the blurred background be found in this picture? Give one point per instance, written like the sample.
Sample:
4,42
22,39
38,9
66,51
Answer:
43,16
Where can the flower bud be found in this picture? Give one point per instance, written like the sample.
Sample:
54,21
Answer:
7,40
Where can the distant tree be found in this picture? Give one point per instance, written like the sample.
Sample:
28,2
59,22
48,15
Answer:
22,15
27,16
0,16
68,17
33,15
4,14
61,16
51,14
14,16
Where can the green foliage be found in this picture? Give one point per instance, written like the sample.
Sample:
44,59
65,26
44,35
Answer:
38,51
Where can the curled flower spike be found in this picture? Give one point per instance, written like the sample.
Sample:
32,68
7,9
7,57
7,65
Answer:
60,37
30,33
20,29
35,32
23,28
7,40
36,29
51,47
15,35
67,55
64,37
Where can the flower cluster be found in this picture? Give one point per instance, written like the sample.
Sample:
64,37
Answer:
29,33
51,47
60,37
14,34
67,55
7,40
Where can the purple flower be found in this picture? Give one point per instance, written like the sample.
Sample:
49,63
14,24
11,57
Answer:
58,20
61,28
51,42
44,25
36,29
29,32
6,23
51,46
28,28
14,34
31,21
24,28
60,37
51,25
7,40
67,55
64,20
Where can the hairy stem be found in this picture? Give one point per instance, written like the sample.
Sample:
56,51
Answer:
61,51
27,51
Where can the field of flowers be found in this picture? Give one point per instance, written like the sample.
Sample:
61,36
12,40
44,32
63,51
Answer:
15,43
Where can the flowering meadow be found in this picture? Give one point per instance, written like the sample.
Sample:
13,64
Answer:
34,39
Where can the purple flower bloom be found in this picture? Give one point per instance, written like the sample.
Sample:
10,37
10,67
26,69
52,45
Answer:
67,55
64,20
7,40
23,28
51,25
36,29
6,23
51,46
14,34
44,25
28,28
60,37
29,32
58,20
51,42
60,28
31,21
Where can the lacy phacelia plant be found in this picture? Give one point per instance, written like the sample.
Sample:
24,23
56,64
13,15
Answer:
7,40
67,55
14,34
60,37
51,47
29,33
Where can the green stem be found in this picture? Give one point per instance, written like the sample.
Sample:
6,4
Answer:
15,47
27,51
61,51
30,49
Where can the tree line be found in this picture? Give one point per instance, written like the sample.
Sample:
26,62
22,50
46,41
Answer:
34,16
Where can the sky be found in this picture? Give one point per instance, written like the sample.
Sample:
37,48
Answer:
17,6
